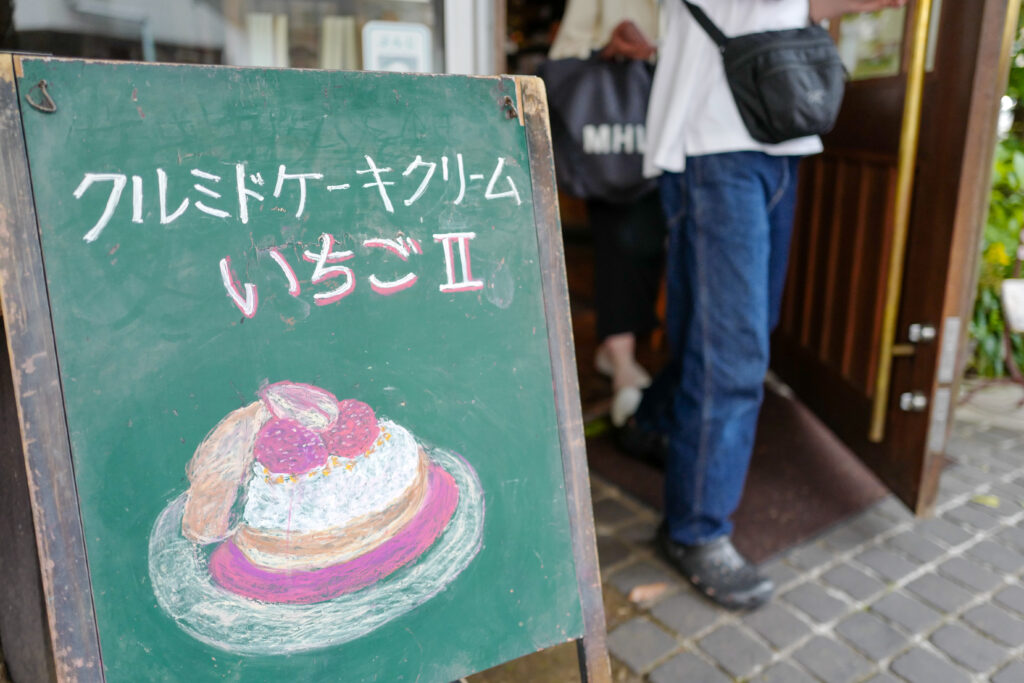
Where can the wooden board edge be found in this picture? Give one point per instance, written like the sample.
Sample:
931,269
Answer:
24,627
594,664
40,408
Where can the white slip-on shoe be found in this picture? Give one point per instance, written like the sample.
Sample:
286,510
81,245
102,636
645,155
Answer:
638,377
625,404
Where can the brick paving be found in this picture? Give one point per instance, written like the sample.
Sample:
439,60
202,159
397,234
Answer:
879,598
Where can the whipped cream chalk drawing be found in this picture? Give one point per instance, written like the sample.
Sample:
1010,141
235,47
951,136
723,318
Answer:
309,522
213,203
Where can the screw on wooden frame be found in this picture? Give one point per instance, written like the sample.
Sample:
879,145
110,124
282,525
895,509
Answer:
48,106
510,108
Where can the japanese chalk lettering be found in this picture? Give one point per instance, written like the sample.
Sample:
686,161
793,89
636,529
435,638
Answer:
216,213
244,193
401,247
326,266
302,178
324,272
246,304
161,182
119,180
380,184
209,199
466,283
211,203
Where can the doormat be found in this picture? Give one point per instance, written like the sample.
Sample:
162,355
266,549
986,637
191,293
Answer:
802,480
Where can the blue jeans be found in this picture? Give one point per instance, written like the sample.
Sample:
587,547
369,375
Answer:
730,218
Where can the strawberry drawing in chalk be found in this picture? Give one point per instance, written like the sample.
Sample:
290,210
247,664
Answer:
284,445
354,430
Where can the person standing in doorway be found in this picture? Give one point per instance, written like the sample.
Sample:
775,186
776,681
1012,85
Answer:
729,201
628,237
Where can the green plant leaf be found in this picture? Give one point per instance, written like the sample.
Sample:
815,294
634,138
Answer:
1018,168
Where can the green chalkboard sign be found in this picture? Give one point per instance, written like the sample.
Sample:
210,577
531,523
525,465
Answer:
308,337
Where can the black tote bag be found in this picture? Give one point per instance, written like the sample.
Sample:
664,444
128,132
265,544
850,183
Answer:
598,108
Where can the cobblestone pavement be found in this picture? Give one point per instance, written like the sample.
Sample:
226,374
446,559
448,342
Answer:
879,598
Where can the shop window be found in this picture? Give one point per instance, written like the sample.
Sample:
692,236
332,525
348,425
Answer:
328,34
871,45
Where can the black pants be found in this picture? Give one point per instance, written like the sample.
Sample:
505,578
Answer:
629,252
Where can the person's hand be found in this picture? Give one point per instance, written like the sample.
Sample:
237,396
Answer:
829,9
627,41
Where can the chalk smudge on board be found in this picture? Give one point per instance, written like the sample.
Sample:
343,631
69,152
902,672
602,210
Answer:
501,287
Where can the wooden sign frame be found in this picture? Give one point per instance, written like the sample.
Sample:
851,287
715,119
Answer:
48,624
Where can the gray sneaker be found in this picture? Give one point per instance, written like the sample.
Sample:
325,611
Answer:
717,570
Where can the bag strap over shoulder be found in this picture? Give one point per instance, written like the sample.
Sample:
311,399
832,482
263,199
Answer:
709,26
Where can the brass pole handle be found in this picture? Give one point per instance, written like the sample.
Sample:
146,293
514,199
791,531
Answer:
909,134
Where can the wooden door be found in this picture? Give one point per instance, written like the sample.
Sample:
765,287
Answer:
829,346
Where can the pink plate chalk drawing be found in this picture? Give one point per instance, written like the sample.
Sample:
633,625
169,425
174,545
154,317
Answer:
309,522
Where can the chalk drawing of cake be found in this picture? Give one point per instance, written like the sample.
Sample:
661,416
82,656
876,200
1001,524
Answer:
309,522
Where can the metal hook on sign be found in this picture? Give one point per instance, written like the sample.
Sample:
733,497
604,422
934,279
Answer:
510,108
48,106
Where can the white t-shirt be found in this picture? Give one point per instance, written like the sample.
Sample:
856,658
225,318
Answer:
691,110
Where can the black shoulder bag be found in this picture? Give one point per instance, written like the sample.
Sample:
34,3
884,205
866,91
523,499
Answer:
787,84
